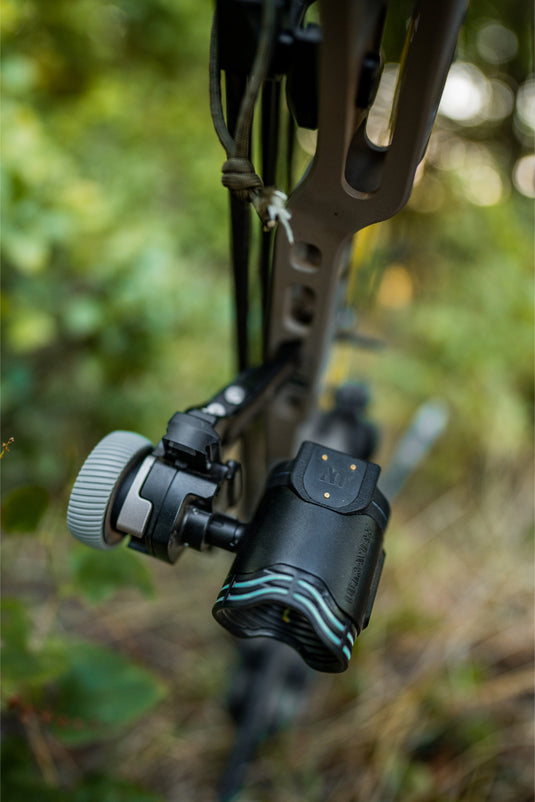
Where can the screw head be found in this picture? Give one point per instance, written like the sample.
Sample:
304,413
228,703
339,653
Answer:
216,409
234,394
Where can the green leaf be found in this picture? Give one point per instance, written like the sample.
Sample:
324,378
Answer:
99,574
30,253
23,509
82,316
24,668
100,693
16,625
31,330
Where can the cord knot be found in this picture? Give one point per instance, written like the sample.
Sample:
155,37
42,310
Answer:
269,203
239,176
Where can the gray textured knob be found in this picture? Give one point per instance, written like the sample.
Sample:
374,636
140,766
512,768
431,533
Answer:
88,512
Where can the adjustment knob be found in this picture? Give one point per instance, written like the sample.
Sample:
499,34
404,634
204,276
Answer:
88,513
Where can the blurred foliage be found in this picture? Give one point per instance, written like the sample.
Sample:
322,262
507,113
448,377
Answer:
116,312
77,692
470,342
21,777
96,692
23,509
114,229
98,575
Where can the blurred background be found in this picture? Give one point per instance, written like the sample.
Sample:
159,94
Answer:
116,312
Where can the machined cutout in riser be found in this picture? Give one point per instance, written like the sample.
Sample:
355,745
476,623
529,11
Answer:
305,257
300,306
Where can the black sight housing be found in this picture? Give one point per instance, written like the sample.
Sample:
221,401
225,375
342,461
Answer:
309,562
307,565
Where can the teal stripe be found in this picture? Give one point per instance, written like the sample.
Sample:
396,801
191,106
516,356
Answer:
383,513
323,604
261,580
254,594
321,623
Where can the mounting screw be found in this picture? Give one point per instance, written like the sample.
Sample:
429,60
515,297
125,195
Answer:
234,394
215,409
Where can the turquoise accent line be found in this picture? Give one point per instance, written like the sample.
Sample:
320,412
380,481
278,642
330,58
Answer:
255,593
261,579
318,609
323,604
247,583
321,623
385,516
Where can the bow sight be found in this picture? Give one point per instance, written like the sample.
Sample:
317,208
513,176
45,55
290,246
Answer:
308,562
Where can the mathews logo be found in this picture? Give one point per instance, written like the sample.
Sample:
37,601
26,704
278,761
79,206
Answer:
331,476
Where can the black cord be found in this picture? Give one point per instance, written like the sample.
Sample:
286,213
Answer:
240,237
239,175
238,172
271,95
